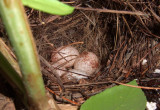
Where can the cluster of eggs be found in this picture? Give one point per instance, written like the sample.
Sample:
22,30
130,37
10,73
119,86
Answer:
84,64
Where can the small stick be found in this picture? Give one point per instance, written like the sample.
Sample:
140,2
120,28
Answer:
62,97
142,87
112,11
116,57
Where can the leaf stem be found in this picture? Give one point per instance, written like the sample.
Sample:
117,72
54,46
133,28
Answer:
17,27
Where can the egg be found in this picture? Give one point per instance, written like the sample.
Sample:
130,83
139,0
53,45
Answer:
87,62
76,74
64,56
59,70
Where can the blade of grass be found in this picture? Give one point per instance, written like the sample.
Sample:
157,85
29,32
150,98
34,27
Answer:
8,55
11,74
49,6
15,21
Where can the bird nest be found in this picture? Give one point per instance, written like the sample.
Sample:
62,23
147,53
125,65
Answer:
126,43
123,34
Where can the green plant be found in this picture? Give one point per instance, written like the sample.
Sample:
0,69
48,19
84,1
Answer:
19,32
49,6
117,98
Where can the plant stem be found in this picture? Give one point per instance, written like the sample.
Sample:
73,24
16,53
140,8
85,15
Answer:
15,21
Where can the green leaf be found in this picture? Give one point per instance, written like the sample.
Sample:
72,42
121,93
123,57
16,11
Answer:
10,74
49,6
117,98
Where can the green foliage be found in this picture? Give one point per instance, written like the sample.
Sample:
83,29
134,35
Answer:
19,33
49,6
117,98
9,72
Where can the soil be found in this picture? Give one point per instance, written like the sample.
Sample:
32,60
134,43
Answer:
122,40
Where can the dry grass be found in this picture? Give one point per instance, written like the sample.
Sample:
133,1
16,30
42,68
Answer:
122,35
